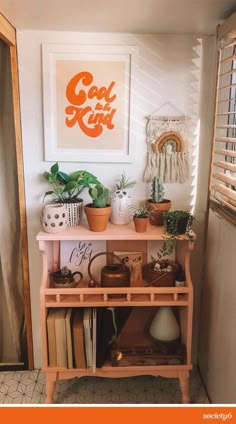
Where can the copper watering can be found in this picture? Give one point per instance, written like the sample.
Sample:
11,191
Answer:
112,275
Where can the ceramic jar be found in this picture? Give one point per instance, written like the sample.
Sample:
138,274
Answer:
54,218
121,207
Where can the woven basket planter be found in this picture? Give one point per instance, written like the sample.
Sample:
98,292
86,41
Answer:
159,278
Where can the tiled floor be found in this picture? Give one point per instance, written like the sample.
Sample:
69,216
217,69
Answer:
24,387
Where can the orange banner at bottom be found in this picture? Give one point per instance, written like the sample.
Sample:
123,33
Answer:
117,414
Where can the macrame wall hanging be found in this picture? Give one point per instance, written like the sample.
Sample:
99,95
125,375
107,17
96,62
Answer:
167,154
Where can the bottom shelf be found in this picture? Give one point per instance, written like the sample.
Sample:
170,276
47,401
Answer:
91,339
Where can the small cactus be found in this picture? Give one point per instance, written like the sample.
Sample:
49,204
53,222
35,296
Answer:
157,190
99,193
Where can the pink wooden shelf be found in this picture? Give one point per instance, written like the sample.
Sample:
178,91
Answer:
113,232
133,296
81,296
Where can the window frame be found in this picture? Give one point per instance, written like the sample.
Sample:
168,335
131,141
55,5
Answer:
226,34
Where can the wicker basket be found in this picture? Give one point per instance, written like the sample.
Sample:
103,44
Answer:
160,278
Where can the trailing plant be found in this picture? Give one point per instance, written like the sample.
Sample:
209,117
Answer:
157,194
99,194
142,212
124,182
67,188
166,249
173,220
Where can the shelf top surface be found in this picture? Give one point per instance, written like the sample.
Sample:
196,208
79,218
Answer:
113,232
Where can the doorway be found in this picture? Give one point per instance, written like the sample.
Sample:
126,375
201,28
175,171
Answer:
16,350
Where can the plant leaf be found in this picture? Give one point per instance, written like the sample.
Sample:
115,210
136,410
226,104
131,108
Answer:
63,177
59,190
55,168
52,178
46,175
48,193
76,175
71,185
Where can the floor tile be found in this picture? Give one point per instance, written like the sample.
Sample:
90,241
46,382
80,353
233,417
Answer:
24,387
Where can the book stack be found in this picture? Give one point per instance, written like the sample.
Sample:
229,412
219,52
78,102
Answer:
71,336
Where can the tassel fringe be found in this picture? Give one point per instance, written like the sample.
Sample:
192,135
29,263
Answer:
173,168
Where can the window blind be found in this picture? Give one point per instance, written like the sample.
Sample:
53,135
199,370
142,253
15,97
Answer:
223,173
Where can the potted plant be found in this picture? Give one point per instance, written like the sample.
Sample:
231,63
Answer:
157,203
99,210
67,188
141,218
121,201
178,222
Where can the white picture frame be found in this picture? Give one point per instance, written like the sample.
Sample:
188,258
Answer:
89,113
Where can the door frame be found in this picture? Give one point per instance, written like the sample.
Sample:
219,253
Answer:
8,35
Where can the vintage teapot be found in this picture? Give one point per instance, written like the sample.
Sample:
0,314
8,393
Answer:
112,275
65,278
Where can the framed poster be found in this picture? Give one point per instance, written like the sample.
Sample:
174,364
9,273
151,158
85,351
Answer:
88,102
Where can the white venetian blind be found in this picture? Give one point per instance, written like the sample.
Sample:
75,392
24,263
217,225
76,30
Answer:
223,176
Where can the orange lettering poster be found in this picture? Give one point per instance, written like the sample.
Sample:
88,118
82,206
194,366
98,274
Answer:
88,111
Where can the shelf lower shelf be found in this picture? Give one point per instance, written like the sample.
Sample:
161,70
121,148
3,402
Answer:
108,369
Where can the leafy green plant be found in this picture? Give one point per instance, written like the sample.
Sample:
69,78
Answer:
142,212
178,222
124,182
67,188
99,194
157,194
171,220
165,250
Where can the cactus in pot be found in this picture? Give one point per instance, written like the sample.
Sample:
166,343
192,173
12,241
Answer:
99,210
157,190
99,194
157,203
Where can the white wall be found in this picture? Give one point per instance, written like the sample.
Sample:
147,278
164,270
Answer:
218,316
169,70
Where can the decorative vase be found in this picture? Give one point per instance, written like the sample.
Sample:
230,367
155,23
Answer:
156,217
97,217
75,212
121,207
140,224
54,218
164,326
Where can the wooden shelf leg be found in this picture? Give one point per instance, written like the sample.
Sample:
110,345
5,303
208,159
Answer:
184,386
51,379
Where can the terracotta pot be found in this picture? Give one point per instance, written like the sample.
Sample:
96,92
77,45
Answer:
156,217
140,224
97,217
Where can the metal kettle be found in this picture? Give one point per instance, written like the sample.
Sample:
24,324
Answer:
112,275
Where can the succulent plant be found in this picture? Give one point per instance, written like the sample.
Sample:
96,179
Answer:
142,212
99,193
157,194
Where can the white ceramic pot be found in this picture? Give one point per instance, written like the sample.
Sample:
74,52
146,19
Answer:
164,326
121,207
54,218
